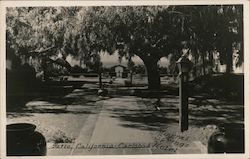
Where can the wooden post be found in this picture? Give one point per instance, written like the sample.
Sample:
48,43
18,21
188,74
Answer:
183,95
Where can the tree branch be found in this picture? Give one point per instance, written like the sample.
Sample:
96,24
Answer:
42,51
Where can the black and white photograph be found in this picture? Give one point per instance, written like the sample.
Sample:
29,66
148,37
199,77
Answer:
124,79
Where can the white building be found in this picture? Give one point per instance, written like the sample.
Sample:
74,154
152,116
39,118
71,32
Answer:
119,70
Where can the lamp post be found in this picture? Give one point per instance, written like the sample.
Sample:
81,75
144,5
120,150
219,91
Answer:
184,65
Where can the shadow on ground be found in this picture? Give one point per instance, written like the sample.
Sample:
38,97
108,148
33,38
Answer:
77,101
16,101
166,112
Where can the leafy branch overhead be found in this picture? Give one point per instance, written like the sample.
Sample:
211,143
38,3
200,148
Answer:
150,32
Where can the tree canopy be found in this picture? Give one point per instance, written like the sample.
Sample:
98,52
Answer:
150,32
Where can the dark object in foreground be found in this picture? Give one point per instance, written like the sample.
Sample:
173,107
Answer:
23,140
228,139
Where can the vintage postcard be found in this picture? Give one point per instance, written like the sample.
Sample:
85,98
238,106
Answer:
124,79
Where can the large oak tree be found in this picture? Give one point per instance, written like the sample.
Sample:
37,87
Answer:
150,32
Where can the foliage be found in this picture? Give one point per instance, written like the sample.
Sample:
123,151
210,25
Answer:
33,29
77,69
227,86
141,30
217,28
139,69
150,32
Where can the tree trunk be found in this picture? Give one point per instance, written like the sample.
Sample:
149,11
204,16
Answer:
154,82
195,63
131,77
100,79
203,63
44,68
229,59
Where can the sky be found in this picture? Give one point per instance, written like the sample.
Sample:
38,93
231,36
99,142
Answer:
112,60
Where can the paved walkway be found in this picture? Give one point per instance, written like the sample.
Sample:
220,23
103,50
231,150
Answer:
84,124
115,131
110,130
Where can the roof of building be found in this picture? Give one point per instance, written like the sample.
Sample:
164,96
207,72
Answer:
61,62
118,65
